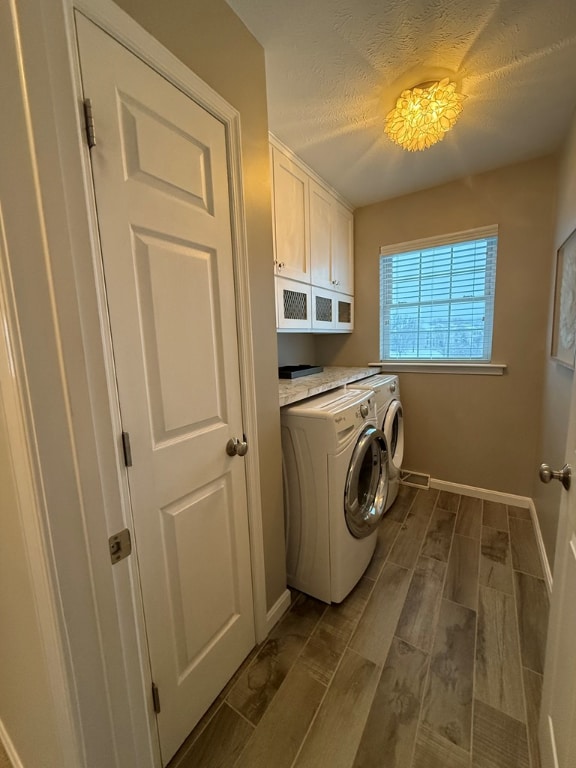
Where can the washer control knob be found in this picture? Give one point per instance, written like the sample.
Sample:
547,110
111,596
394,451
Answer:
393,387
364,410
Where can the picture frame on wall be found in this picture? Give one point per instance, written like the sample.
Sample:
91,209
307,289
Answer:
564,325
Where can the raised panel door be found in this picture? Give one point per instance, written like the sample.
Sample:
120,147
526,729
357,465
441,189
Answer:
342,248
161,185
321,237
291,218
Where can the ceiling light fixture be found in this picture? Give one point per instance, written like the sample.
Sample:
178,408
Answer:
423,114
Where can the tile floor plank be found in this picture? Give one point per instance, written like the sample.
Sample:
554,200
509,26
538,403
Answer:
533,606
374,633
418,518
522,512
533,691
499,740
469,519
258,685
448,500
405,550
420,612
219,744
336,731
462,575
495,515
496,560
387,532
525,554
402,503
390,732
285,723
434,751
447,708
324,649
439,535
498,669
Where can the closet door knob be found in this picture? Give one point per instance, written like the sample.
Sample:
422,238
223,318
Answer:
547,474
236,447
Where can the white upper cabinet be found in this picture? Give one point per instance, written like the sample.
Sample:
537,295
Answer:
331,246
313,251
342,248
291,218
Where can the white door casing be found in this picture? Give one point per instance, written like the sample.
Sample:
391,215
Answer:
161,186
557,729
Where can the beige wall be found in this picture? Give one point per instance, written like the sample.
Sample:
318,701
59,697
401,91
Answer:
210,39
557,378
475,430
296,349
26,702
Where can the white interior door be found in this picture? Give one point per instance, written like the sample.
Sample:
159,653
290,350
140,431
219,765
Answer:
162,196
558,710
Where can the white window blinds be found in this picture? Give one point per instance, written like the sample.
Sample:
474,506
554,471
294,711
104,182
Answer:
437,299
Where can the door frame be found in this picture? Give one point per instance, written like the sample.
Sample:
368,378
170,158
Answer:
116,612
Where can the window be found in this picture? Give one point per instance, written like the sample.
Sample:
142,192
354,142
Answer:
437,298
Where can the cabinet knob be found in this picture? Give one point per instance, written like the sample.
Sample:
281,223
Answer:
335,282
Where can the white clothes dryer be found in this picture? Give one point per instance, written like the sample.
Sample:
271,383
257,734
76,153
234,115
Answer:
335,489
390,419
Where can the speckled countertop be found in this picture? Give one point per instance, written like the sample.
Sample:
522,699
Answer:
292,390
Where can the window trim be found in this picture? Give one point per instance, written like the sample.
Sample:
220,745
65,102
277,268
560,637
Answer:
427,365
440,366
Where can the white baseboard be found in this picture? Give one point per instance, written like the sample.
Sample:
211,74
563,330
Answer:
482,493
541,548
525,502
9,747
278,610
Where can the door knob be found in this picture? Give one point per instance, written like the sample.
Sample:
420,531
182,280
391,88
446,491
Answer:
236,447
564,475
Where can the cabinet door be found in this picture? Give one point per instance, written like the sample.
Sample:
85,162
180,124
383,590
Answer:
293,305
343,312
323,310
291,222
342,248
331,241
321,204
331,311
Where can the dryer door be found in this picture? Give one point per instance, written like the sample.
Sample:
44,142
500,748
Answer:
366,483
393,428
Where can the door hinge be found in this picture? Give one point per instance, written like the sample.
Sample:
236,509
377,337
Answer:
155,698
89,123
127,449
120,545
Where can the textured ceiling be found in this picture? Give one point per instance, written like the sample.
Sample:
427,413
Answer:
335,68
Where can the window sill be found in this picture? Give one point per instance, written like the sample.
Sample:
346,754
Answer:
403,366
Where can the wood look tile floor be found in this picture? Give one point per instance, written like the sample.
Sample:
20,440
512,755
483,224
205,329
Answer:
433,661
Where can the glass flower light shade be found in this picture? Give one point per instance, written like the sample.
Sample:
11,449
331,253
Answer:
424,114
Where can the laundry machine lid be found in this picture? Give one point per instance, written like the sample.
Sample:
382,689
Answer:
378,381
366,485
324,406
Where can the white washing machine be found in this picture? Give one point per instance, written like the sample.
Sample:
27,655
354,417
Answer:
335,489
389,417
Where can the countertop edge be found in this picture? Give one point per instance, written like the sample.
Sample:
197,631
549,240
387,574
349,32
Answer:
332,377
